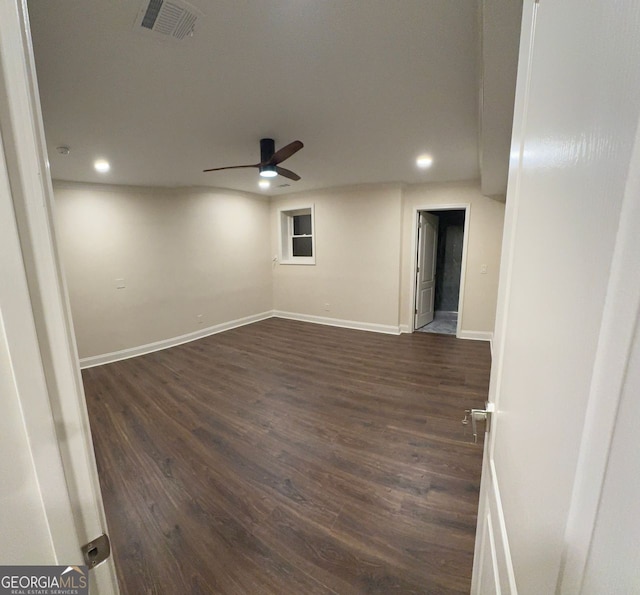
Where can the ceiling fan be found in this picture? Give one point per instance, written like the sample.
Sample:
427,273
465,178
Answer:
270,158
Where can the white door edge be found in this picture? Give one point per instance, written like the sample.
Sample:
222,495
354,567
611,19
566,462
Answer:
489,530
503,528
21,121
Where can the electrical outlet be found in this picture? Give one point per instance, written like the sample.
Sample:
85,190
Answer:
199,318
483,269
327,307
120,284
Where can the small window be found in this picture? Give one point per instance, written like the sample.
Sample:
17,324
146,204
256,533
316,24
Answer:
296,233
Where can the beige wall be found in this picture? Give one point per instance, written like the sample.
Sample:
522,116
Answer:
357,243
190,252
181,253
486,218
364,254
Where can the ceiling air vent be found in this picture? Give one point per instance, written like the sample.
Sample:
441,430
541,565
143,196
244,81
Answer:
167,19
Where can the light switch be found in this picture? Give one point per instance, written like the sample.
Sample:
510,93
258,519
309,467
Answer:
483,269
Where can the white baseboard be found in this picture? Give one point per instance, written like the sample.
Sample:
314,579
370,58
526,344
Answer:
352,324
107,358
475,335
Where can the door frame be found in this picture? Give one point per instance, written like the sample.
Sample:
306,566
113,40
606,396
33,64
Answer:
33,204
25,375
466,207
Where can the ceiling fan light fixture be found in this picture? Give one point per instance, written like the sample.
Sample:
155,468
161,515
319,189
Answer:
268,171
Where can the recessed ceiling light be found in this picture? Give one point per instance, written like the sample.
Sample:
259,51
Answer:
264,184
424,161
102,166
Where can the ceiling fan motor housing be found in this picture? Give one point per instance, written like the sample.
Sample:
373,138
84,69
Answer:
267,149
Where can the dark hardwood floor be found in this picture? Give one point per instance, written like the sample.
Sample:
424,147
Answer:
291,458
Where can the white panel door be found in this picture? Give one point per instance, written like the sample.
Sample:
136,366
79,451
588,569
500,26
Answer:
576,112
426,274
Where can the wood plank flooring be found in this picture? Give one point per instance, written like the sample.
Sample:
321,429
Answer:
291,458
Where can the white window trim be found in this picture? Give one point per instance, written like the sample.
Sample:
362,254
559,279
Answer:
285,234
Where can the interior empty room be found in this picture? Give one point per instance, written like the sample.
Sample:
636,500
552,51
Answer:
277,314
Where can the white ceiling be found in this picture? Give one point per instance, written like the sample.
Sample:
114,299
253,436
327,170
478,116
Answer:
367,85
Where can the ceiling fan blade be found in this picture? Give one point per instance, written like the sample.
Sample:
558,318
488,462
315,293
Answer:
284,153
287,173
231,167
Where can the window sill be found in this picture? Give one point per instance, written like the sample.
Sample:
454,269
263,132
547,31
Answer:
306,260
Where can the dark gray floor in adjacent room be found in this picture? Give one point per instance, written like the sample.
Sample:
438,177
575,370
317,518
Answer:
444,323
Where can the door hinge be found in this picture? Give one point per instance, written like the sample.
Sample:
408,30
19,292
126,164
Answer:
96,551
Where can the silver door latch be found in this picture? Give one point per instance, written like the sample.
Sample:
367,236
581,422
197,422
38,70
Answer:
477,415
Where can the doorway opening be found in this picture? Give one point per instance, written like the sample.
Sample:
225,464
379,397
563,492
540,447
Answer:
439,270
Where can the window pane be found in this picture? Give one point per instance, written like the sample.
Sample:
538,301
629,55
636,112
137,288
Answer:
302,225
302,247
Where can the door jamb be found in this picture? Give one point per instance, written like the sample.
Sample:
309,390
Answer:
466,207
